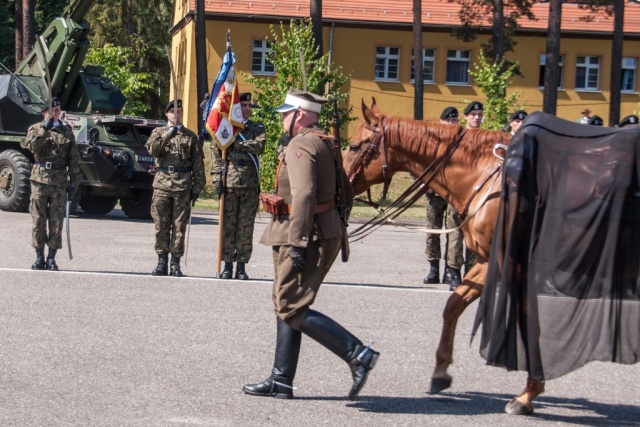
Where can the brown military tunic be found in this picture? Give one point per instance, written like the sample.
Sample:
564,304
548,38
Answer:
306,178
55,165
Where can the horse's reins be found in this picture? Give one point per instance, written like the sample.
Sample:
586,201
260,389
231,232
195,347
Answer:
416,190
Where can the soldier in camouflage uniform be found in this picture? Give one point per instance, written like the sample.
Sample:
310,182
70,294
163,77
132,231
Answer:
179,179
242,188
55,171
439,212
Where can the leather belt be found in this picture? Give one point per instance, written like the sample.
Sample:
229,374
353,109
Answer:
320,207
173,169
50,165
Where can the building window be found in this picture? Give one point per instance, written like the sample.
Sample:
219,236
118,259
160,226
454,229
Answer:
588,73
543,68
387,61
458,66
428,65
260,63
629,67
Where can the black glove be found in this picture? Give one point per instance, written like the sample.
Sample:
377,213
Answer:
48,124
430,194
194,197
297,258
171,132
69,189
219,188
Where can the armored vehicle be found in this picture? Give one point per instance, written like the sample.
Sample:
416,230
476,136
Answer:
111,147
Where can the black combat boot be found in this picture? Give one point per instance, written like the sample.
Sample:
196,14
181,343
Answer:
240,273
39,264
326,331
227,272
175,266
280,382
162,269
451,277
434,274
51,260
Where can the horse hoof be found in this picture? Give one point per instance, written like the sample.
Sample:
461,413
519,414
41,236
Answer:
440,383
516,407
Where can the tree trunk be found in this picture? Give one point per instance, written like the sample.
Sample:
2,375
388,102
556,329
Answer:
316,25
498,30
552,70
28,27
201,58
418,71
18,33
616,63
127,20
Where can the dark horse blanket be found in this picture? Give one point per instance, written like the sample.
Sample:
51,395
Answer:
563,284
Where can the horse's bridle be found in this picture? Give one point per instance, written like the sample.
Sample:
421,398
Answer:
371,151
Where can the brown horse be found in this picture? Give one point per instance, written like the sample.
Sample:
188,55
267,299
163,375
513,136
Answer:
465,169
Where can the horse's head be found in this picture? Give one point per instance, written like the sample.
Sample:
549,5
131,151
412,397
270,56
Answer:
362,159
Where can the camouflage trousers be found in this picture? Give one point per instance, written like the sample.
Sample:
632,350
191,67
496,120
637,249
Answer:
170,212
439,212
47,206
240,208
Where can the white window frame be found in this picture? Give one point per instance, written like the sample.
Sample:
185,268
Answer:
630,71
458,57
589,70
543,64
262,50
385,61
427,61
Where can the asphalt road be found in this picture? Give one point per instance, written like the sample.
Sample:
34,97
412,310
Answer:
103,343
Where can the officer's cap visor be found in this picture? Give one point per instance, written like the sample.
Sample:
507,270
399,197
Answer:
285,108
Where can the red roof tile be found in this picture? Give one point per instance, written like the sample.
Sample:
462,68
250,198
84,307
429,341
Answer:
435,13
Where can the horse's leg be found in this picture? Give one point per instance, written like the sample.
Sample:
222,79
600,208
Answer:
523,404
467,292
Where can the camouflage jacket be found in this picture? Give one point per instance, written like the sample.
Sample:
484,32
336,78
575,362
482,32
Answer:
56,149
183,152
241,168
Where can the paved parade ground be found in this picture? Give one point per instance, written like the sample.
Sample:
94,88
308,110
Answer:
103,343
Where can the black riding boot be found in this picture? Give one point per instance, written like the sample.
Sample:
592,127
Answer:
51,260
227,272
280,382
175,266
451,277
240,273
344,344
162,269
39,264
434,273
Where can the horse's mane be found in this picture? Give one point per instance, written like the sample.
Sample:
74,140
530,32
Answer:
427,137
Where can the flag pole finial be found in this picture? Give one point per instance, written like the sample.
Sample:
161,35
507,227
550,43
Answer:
229,49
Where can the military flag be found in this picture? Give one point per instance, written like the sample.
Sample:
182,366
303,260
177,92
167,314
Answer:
224,120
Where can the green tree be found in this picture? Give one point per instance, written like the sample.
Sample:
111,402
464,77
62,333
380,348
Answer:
118,65
493,79
320,76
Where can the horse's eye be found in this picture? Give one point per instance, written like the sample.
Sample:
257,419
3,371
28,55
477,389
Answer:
354,148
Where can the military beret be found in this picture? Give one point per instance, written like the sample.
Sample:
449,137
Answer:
449,113
474,106
170,104
304,100
55,102
518,115
245,96
596,121
629,120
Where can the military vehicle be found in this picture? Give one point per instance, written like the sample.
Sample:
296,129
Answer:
111,147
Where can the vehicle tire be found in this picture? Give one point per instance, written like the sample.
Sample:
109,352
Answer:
15,187
138,204
98,205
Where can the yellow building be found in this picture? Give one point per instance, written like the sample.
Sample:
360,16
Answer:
374,40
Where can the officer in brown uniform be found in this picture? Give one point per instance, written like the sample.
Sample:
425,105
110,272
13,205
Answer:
242,190
306,238
55,172
179,179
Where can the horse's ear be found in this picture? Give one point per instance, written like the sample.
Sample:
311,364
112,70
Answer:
368,115
374,106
